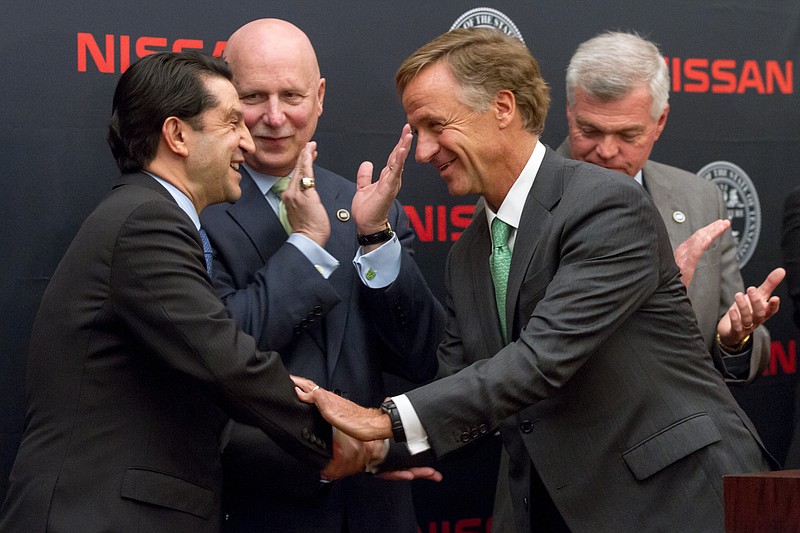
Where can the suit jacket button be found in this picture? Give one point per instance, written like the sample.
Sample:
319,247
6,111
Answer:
474,433
317,310
483,429
465,437
526,426
306,433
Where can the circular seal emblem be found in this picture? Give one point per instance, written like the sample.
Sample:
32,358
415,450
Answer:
486,17
741,199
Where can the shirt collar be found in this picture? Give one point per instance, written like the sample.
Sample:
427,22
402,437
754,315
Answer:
638,177
264,182
511,209
182,200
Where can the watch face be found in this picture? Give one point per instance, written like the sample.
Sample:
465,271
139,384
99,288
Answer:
741,199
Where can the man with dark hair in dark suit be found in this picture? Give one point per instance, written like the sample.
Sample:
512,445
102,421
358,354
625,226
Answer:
134,366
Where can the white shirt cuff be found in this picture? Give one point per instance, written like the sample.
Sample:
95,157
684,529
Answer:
416,436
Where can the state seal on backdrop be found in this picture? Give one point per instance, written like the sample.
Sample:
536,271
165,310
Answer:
487,17
741,199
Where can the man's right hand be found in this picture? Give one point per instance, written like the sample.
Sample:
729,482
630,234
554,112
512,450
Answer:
688,253
351,456
304,208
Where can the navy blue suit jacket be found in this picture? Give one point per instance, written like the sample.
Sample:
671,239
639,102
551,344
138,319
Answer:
336,331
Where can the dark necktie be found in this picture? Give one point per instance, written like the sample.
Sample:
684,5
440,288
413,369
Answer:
207,252
499,264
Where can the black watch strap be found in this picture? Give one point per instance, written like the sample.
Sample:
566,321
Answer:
398,433
376,238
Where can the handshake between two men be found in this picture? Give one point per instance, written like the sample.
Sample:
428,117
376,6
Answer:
353,452
359,436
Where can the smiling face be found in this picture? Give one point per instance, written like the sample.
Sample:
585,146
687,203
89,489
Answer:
460,142
277,77
618,134
218,148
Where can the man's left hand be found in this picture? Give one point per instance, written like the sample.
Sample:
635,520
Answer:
372,200
750,310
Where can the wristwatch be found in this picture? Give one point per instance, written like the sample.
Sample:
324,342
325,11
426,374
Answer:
398,433
378,237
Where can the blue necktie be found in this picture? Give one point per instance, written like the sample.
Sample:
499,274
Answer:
207,252
499,264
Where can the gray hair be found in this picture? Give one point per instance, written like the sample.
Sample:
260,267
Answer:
612,64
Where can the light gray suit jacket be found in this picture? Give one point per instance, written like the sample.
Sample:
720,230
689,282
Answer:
617,402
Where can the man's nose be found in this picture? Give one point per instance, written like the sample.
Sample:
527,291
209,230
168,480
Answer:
607,147
272,113
246,140
427,147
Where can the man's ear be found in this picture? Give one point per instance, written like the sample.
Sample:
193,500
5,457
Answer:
662,121
173,132
505,105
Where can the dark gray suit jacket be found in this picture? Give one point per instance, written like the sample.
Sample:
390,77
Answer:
134,367
717,278
610,390
339,333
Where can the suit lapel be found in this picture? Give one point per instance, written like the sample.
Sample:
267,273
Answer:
257,219
342,245
544,195
669,202
263,227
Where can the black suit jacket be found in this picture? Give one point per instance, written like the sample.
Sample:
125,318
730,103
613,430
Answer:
336,331
607,387
134,367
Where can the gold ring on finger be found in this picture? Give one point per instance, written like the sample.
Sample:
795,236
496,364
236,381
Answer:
306,183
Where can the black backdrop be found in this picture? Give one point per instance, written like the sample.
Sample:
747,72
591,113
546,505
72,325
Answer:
734,101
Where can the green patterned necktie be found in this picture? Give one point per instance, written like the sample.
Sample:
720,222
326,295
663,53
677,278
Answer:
278,189
499,263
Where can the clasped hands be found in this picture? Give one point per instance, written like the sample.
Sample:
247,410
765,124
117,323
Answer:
359,436
751,308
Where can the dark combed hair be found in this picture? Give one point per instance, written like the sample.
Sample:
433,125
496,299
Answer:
159,86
